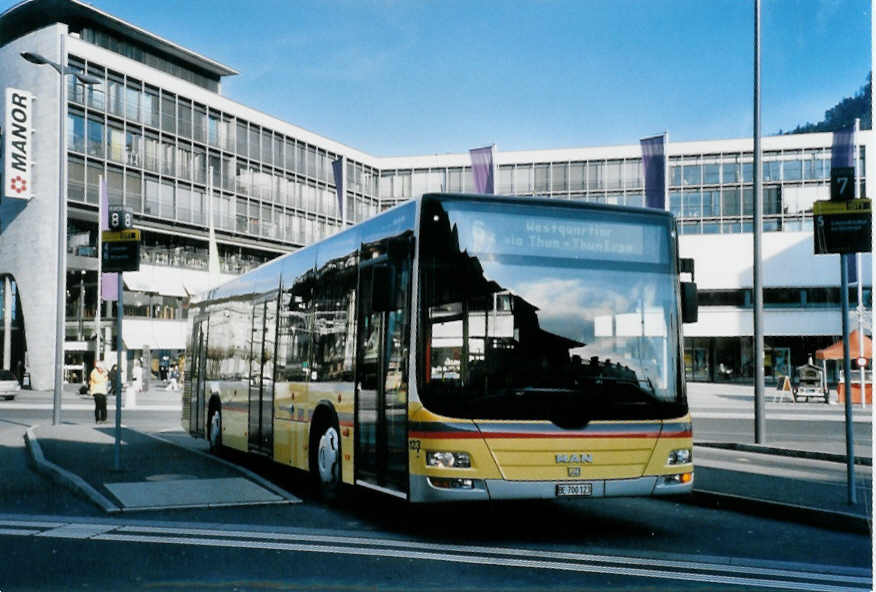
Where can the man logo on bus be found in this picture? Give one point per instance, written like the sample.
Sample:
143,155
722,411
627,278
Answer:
18,185
575,458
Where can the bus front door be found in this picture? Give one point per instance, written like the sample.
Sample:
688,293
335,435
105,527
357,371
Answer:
381,383
261,376
197,405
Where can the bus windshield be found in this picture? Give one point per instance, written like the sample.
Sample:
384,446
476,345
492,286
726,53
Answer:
535,311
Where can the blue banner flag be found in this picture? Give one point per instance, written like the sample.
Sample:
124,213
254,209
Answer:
842,153
338,170
482,169
654,162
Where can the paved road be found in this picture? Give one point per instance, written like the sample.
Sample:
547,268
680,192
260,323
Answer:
52,540
119,555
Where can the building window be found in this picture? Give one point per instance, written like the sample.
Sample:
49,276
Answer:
115,140
116,95
132,101
711,174
168,154
151,152
692,205
94,170
114,186
96,91
185,119
199,123
75,131
150,204
95,137
75,178
149,112
168,113
560,176
134,191
133,147
595,171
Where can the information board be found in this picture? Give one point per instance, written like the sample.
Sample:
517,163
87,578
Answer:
842,226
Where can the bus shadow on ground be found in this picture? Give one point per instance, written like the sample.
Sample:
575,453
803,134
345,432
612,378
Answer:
509,522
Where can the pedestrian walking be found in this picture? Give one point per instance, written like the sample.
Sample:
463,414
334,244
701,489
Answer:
97,385
115,381
138,376
173,381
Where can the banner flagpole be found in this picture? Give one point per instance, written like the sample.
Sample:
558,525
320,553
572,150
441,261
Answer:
99,268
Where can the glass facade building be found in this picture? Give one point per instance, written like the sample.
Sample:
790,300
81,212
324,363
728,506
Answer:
161,133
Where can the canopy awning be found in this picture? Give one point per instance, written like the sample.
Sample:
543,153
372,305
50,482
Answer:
154,334
156,280
835,351
171,281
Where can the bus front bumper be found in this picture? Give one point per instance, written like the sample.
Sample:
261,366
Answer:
423,489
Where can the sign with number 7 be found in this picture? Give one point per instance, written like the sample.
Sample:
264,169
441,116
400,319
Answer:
842,183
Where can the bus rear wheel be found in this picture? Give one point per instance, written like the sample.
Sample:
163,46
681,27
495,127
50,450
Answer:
325,460
214,431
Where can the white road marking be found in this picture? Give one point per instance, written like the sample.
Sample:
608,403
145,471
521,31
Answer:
488,550
821,578
19,531
491,561
77,531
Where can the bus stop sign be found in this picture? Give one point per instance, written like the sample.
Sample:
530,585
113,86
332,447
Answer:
842,226
120,251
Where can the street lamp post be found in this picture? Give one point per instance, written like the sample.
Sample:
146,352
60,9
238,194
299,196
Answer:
62,69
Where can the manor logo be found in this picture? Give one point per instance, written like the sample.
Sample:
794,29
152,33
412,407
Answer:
17,144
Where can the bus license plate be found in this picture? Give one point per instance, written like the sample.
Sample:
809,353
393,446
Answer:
571,489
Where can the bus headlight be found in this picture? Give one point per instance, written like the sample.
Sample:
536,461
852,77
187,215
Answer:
457,460
682,456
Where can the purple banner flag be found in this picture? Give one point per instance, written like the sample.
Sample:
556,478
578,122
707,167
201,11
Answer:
109,289
842,153
654,162
338,170
482,169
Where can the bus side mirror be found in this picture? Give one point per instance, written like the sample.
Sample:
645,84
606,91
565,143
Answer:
689,304
383,288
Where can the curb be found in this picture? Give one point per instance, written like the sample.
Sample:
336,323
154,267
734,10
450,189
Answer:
791,452
770,509
62,476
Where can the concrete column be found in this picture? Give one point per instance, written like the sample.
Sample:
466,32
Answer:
7,323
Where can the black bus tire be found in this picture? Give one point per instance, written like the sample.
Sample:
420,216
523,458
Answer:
326,458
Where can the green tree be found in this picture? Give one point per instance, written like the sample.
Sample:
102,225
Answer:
844,113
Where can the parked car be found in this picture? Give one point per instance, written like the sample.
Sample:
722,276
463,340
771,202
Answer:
9,386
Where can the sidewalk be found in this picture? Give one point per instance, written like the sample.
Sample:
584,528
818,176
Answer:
155,474
795,476
156,398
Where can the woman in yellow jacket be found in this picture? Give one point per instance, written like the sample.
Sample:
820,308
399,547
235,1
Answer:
97,383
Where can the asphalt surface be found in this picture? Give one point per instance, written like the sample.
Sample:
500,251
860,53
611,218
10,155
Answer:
53,539
786,476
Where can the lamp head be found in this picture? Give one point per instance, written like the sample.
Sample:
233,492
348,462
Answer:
34,58
87,78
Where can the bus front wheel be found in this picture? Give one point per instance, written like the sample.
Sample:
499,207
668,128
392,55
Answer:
326,460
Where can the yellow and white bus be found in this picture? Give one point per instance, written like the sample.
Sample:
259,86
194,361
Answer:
459,347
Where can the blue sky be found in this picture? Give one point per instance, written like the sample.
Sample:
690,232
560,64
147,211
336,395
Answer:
403,77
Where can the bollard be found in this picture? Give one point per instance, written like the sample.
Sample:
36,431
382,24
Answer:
131,397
